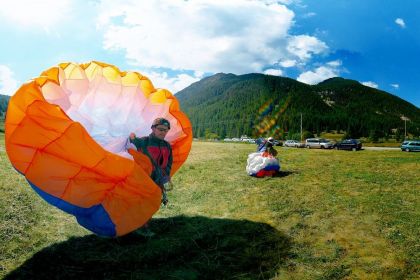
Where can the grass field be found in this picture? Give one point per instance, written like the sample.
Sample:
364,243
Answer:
329,215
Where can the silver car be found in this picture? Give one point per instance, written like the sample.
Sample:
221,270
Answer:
293,143
319,143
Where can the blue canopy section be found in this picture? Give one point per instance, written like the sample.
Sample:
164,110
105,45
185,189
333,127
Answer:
94,218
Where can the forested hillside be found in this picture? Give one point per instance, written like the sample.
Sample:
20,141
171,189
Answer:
4,100
228,105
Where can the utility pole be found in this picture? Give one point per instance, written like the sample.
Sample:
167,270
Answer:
404,118
301,135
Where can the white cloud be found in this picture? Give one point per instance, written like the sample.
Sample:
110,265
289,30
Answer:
237,36
8,85
400,22
35,14
335,63
274,72
370,84
396,86
173,84
321,73
285,2
288,63
303,46
309,15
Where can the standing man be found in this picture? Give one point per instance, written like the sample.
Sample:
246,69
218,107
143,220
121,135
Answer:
159,152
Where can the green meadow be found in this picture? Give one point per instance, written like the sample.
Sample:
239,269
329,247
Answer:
328,215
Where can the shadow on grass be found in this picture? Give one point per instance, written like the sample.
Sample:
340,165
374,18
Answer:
183,248
282,173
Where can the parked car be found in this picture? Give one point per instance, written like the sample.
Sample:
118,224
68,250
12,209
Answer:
318,143
349,144
410,145
293,143
277,143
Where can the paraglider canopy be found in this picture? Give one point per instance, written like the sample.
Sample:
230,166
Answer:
66,132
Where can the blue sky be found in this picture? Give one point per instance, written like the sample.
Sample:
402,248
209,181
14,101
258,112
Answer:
178,42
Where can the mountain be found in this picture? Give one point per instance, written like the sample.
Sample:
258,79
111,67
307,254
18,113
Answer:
256,104
4,100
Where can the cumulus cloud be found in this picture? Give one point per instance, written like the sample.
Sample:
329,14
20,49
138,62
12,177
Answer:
288,63
335,63
237,36
370,84
35,14
329,70
172,83
396,86
400,22
285,2
274,72
320,74
8,84
303,46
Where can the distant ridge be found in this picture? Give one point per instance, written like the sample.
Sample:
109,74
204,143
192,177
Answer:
4,101
338,81
229,105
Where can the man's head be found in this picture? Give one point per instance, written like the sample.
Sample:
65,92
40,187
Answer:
270,139
160,127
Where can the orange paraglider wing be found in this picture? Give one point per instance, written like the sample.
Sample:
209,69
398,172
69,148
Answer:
66,132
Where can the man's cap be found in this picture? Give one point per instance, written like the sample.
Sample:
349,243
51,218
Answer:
161,121
270,139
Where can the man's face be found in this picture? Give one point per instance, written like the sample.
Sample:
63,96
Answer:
160,131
